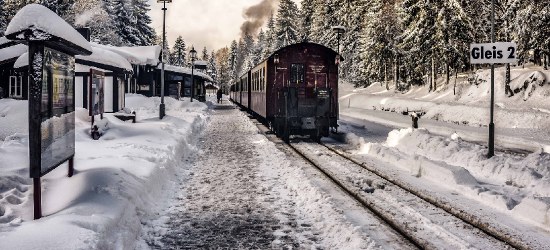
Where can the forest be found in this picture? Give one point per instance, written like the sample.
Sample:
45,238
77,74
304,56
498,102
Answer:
409,42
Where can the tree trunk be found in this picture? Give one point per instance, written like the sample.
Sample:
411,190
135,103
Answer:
447,68
396,71
433,74
456,76
386,75
429,77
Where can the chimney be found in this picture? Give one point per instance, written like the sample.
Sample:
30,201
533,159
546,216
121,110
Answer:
85,32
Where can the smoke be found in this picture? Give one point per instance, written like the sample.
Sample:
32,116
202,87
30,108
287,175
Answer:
256,16
82,19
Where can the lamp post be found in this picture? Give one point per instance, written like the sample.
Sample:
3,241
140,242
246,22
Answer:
193,54
339,31
162,111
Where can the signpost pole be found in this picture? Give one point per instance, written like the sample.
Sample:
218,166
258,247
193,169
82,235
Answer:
491,152
71,167
37,199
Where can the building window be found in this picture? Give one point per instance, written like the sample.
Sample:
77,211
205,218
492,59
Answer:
297,74
16,87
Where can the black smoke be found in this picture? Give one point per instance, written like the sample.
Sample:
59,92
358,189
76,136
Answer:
256,16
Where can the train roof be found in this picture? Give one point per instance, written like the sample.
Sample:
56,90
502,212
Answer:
305,44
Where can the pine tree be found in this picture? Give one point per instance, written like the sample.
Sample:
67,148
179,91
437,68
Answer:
306,15
212,65
454,33
140,11
205,55
232,59
93,14
124,22
166,52
258,51
61,7
270,37
419,38
179,52
324,18
286,28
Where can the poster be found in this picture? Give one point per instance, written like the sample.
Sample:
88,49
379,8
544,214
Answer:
96,93
57,126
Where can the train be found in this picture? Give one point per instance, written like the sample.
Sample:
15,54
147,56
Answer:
294,91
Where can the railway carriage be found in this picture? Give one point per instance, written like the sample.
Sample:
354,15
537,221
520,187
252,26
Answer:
294,90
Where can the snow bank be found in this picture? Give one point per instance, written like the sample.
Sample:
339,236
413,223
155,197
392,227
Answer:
118,177
470,106
44,23
13,117
504,181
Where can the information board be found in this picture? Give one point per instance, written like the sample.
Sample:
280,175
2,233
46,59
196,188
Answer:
56,130
96,92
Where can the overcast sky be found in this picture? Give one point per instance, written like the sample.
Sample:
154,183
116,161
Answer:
210,23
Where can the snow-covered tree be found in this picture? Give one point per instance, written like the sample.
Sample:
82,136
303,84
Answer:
306,15
205,54
62,8
286,24
270,39
454,33
179,52
258,50
124,22
232,59
419,40
93,14
140,12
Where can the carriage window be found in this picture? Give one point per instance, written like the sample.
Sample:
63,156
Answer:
297,73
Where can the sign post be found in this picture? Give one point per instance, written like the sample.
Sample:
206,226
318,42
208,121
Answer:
51,91
491,53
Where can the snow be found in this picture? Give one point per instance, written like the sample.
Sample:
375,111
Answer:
185,70
147,55
144,185
98,55
132,58
107,57
44,23
22,61
449,148
117,177
12,52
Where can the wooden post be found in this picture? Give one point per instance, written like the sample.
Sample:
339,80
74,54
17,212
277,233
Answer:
71,167
37,197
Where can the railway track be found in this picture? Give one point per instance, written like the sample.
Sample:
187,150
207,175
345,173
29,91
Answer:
424,222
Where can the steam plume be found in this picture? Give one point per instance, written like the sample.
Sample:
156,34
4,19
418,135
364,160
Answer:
256,16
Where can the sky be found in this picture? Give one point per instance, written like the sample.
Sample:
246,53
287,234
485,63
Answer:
210,23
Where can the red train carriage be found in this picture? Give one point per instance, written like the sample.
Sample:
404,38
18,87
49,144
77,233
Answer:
295,90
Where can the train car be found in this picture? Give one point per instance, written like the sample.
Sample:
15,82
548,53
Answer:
244,82
295,90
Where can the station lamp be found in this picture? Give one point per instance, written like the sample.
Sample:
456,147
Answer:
162,109
193,55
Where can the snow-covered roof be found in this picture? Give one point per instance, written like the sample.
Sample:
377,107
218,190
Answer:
107,57
201,63
4,40
185,70
133,59
22,61
147,55
12,52
43,24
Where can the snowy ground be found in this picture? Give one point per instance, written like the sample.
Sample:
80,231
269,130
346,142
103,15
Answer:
449,152
204,176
